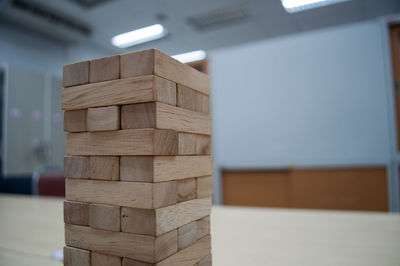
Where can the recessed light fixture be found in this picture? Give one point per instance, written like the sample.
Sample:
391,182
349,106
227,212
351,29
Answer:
139,36
292,6
190,56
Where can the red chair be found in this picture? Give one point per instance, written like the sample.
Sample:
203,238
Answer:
49,181
51,185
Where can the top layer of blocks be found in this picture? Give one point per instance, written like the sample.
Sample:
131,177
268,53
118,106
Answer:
136,64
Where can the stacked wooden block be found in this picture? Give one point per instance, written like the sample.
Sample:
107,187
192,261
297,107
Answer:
138,166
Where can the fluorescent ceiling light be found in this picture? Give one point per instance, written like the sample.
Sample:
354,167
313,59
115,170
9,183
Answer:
191,56
292,6
142,35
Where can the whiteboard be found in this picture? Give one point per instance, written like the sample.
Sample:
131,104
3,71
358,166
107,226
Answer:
311,99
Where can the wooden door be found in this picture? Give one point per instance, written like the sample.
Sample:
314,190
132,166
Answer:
395,46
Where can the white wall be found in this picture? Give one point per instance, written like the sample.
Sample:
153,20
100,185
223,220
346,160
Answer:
31,64
32,52
311,99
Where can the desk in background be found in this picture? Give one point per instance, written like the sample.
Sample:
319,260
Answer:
31,227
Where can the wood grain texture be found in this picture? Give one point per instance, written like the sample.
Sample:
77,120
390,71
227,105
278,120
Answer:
123,142
76,257
98,259
203,227
165,245
118,92
129,194
186,189
103,118
104,167
164,116
138,221
181,167
140,115
172,217
137,63
160,64
76,166
138,247
106,217
165,142
205,187
137,168
206,261
171,117
156,222
165,90
164,168
190,255
164,194
75,120
76,74
192,100
106,68
193,144
76,213
187,235
129,262
169,68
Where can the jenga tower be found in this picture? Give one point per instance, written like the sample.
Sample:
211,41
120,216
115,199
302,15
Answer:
138,167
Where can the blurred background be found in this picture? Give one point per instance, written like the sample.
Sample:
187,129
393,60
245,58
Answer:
305,99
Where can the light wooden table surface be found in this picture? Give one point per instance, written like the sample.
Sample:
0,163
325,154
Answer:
30,228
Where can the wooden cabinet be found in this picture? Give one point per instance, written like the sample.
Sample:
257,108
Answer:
363,188
257,188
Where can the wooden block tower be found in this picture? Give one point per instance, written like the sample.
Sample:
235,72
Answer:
138,166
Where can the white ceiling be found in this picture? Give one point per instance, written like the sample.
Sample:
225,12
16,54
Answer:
267,19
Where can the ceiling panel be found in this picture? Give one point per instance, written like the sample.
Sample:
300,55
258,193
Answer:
327,16
267,19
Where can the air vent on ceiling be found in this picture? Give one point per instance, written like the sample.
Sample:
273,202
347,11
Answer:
220,17
36,17
89,3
